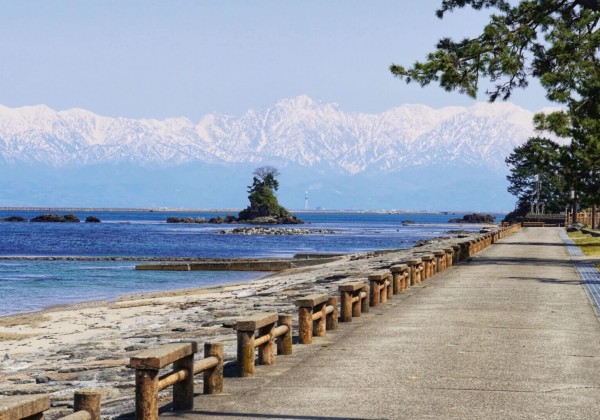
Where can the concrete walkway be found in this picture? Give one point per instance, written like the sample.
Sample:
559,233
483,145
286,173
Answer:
510,334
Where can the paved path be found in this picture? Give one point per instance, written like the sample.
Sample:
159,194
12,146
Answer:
511,334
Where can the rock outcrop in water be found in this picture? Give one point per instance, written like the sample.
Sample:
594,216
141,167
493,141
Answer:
474,218
14,219
259,230
55,218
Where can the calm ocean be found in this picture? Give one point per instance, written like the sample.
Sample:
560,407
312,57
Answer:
27,285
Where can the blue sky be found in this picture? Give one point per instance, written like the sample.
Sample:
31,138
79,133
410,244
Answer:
161,59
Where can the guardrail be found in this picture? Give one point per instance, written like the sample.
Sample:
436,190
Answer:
248,340
86,406
270,333
148,363
400,277
316,314
416,269
380,285
354,297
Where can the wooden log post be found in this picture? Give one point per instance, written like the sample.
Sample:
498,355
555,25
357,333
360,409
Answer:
399,277
465,248
183,390
440,260
284,341
350,305
147,382
390,285
456,257
416,266
449,256
405,277
312,317
429,266
246,341
379,287
213,377
24,406
332,313
267,351
87,400
364,299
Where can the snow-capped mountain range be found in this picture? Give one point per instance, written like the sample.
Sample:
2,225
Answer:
306,136
299,131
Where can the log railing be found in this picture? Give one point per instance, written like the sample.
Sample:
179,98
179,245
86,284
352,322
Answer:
316,314
416,269
259,331
428,266
354,300
400,277
148,383
381,286
440,260
449,256
86,406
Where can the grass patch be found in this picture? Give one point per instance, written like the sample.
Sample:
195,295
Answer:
589,245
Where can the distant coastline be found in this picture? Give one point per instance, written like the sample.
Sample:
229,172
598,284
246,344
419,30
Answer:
226,210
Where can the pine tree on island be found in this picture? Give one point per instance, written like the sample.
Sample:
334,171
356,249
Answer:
264,207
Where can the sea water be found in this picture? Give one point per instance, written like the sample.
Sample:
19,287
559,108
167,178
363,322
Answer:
27,285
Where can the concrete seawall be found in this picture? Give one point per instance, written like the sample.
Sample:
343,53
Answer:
240,265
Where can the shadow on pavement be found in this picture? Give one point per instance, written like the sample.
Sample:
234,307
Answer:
209,414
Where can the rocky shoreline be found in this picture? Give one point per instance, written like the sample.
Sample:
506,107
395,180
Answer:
60,350
260,230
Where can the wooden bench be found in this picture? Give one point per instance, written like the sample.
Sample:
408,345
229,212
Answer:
354,298
316,314
148,384
259,331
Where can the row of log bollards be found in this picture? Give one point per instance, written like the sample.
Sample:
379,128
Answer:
270,333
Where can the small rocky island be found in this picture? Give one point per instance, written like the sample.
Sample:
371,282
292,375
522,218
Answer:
264,209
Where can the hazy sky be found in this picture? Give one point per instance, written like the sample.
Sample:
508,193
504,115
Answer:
160,59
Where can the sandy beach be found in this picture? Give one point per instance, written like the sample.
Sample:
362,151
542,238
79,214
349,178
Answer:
60,350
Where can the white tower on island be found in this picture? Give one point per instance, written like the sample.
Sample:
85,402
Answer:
305,200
